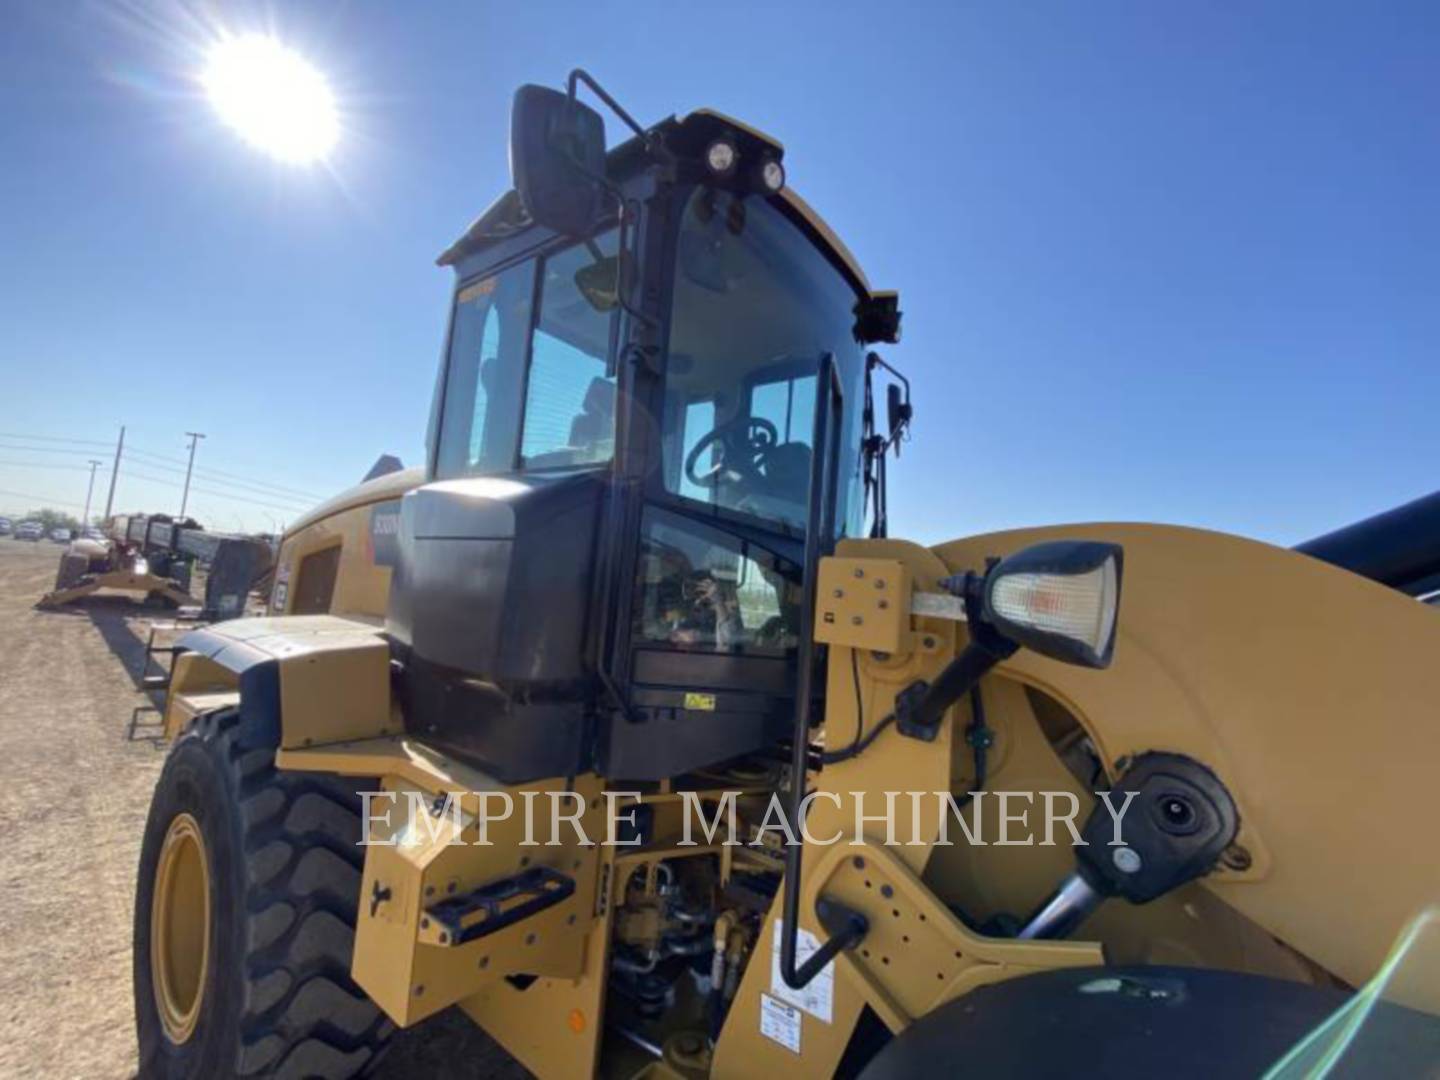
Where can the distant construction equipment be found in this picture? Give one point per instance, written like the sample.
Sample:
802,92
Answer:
154,556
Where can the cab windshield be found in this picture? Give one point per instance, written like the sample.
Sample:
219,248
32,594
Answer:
756,306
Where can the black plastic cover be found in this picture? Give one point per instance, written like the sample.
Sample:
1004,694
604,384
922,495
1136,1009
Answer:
489,613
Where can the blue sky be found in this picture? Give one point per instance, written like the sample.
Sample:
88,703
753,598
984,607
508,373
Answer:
1174,262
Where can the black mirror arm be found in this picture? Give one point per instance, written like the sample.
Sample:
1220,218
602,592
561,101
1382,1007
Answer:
874,447
652,144
874,360
623,206
920,707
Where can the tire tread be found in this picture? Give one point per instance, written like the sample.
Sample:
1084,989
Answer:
303,1015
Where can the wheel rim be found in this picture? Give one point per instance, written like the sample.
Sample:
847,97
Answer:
180,928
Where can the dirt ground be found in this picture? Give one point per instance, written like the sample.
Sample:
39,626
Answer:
72,809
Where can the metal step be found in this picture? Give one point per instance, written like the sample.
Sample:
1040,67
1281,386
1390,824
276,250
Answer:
161,681
492,907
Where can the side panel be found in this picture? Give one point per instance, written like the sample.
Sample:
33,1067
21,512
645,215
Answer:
363,526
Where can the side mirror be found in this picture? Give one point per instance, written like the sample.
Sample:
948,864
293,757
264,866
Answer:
897,409
557,159
1060,599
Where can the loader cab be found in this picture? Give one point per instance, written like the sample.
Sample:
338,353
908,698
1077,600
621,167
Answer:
606,568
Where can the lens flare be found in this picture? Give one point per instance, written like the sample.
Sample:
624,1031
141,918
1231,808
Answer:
273,98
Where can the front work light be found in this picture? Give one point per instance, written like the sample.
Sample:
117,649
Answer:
1058,598
721,157
772,176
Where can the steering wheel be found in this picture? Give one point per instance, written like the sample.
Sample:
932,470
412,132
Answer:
740,449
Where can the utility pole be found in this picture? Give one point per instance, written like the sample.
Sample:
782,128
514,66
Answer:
195,437
114,472
85,521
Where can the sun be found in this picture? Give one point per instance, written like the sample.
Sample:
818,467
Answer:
273,98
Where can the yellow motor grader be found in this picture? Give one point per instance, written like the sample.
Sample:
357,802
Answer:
625,727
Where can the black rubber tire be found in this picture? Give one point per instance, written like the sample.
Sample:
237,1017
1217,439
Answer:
284,887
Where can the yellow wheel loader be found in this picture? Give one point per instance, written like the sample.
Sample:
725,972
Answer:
624,726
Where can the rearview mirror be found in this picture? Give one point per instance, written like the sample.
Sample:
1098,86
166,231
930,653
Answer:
897,409
557,159
599,283
1060,599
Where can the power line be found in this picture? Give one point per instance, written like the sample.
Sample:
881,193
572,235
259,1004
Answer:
287,499
226,477
51,438
132,474
256,502
154,464
46,449
305,498
208,476
280,504
223,477
157,457
213,473
45,465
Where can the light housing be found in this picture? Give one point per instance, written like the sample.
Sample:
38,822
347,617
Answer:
721,157
1060,599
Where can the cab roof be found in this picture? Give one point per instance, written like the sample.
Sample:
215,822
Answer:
506,217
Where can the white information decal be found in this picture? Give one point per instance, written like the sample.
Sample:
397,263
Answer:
818,997
780,1022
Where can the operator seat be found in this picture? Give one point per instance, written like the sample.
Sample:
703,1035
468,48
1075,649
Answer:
596,421
781,489
787,472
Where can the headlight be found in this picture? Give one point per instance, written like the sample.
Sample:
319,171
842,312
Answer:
721,156
772,176
1059,598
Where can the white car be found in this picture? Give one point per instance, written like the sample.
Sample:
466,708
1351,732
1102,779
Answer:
60,535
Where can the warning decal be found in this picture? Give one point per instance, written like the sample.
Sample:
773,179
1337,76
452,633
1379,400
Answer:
780,1022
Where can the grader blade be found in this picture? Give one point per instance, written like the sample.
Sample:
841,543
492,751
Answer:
146,585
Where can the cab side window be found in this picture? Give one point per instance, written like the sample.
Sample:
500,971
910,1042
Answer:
485,374
529,385
570,394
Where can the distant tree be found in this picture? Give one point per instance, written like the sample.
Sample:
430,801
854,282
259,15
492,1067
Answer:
54,519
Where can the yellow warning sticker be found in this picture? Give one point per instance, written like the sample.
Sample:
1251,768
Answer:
700,702
484,287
